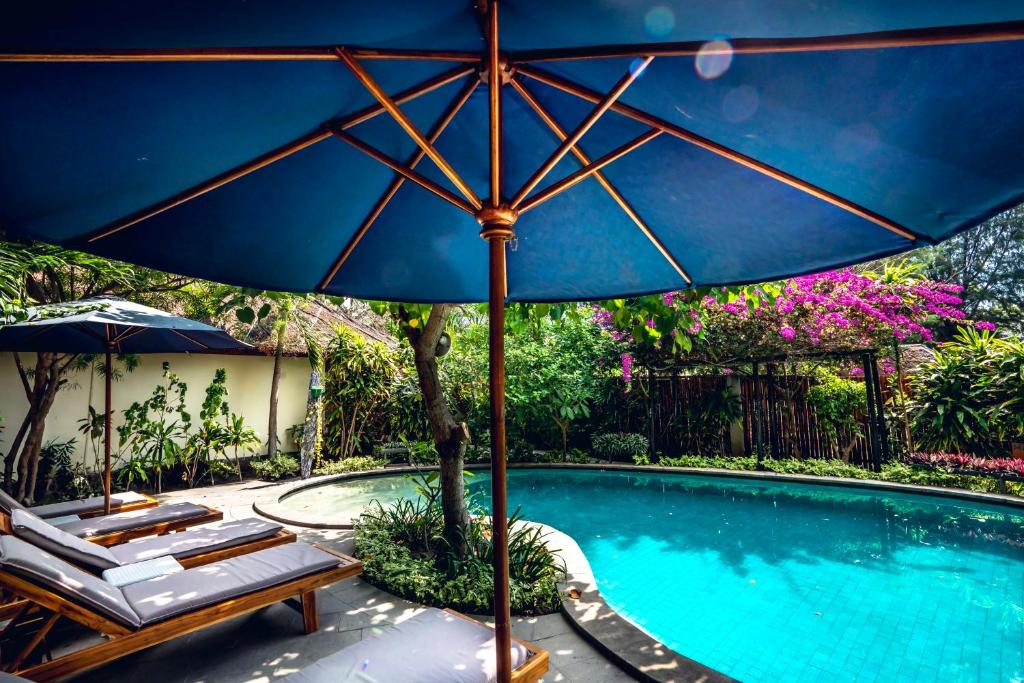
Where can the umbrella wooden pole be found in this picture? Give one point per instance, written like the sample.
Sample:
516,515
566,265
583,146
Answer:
108,371
499,503
497,229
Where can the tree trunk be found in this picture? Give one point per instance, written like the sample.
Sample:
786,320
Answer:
46,381
275,385
309,451
450,437
12,455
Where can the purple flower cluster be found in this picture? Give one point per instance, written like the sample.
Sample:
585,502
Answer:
962,462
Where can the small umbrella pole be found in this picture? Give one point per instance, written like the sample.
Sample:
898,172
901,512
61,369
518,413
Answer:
106,435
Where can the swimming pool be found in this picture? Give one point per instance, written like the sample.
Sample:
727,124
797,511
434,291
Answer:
772,581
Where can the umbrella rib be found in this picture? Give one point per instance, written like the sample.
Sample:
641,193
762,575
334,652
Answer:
239,54
200,344
586,171
398,181
941,35
410,174
279,153
549,120
407,125
585,93
603,103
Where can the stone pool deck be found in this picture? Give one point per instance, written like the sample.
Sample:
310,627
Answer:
269,644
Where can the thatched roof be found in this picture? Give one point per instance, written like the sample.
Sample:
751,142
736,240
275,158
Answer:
317,315
914,356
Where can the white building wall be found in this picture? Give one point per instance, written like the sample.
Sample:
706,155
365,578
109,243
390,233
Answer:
248,382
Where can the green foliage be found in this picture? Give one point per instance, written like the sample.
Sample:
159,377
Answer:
897,472
704,425
359,463
153,431
620,446
157,434
836,402
715,462
358,381
971,398
403,552
64,478
280,466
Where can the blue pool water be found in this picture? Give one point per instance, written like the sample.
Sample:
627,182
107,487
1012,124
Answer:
782,581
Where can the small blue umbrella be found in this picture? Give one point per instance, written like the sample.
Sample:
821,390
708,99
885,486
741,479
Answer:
107,325
600,148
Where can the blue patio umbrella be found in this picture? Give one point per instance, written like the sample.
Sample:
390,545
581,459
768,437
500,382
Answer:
107,325
601,149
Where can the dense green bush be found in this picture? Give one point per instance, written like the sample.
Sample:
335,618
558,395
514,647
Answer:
279,467
359,378
359,463
897,472
620,446
837,401
403,553
971,398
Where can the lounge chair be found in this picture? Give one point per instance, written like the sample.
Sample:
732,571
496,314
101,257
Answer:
435,646
143,614
93,507
126,526
191,548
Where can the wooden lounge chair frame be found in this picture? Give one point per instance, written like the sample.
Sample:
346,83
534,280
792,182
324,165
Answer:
11,605
158,529
155,529
529,671
46,608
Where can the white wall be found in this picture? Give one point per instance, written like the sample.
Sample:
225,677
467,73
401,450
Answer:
248,382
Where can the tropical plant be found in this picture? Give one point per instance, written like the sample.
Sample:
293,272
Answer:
971,397
357,383
238,435
620,446
837,401
153,431
209,439
280,466
64,478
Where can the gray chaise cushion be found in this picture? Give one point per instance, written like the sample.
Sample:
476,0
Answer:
123,521
44,535
159,599
54,574
8,504
86,505
431,647
196,541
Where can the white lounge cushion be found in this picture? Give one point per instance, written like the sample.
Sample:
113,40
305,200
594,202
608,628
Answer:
123,521
431,647
167,596
41,533
54,574
195,541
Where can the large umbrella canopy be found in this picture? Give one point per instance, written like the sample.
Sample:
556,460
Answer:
108,325
607,148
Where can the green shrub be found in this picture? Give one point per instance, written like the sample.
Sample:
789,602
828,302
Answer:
279,467
359,463
620,446
403,553
717,462
970,399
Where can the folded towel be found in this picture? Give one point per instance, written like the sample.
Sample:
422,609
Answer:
142,571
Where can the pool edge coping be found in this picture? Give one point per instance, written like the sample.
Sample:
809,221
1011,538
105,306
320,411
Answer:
616,637
269,504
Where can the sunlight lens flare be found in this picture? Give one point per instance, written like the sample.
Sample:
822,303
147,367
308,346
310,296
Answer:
713,59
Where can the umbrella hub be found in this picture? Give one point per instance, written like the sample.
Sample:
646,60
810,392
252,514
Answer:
497,222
